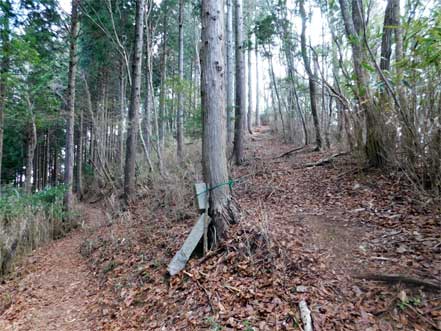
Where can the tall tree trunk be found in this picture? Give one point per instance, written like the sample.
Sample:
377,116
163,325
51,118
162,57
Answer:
79,174
250,13
240,100
256,50
213,93
230,71
30,150
162,117
132,130
69,159
386,40
409,130
180,110
311,78
148,100
353,26
122,106
250,94
276,91
4,69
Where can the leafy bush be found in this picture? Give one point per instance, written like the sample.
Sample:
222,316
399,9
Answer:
27,220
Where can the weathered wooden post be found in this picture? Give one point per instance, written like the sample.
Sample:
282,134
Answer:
199,230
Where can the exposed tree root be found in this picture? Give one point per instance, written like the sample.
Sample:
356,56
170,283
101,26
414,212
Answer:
222,217
392,279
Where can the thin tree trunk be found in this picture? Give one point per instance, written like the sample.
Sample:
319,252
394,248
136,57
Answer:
311,78
148,93
132,130
31,145
122,106
4,69
230,71
240,100
276,91
249,71
256,50
180,110
353,26
79,177
213,94
69,159
162,118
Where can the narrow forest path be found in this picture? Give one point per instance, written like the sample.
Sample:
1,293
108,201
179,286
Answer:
337,221
52,289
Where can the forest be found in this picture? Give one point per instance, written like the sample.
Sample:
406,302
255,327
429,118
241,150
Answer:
220,165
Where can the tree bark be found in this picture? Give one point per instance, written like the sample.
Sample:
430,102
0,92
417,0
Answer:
230,71
374,147
148,100
311,78
30,150
240,99
79,157
122,106
213,105
180,110
135,93
386,40
161,119
249,70
256,50
69,159
276,91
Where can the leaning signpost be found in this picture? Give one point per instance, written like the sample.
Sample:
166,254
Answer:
198,232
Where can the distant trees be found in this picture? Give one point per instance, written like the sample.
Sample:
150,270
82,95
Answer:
321,70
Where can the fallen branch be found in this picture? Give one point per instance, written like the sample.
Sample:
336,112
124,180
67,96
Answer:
324,161
290,152
392,279
305,315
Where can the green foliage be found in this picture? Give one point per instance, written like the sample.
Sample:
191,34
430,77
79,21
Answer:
35,74
214,326
266,29
13,203
27,220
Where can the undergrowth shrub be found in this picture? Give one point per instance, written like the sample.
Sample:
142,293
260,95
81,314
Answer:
173,190
28,220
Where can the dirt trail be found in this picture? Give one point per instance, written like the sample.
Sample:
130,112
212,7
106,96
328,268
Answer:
53,288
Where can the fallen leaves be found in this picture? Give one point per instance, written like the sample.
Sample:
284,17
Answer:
304,233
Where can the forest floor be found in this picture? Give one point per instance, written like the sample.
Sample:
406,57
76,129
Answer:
305,233
53,288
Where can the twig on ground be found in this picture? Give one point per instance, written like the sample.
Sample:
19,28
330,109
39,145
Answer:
323,161
305,315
